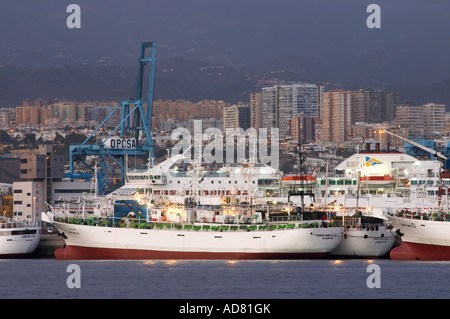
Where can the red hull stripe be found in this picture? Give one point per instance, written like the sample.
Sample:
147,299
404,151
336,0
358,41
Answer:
89,253
414,251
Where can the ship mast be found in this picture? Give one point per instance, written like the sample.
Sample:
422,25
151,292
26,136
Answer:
301,190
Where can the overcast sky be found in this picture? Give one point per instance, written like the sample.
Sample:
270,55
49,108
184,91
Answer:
232,32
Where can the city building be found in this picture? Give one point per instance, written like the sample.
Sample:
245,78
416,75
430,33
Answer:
410,121
255,110
29,200
182,110
374,105
336,115
302,129
5,116
341,109
236,116
281,103
44,166
359,107
434,119
31,114
389,100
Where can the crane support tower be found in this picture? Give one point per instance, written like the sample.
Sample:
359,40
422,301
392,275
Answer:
131,136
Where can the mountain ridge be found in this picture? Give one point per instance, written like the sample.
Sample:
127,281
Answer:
181,78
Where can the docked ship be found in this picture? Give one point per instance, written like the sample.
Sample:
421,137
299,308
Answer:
18,239
373,182
173,181
384,180
425,236
377,180
368,182
365,238
145,220
176,232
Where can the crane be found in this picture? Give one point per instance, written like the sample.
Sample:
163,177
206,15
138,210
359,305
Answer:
445,174
418,145
131,136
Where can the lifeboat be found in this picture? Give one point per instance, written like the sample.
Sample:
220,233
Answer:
377,180
306,179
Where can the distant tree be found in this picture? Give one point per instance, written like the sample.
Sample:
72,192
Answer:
29,139
74,138
65,142
59,139
5,138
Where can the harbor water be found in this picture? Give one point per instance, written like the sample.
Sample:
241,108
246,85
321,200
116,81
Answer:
47,278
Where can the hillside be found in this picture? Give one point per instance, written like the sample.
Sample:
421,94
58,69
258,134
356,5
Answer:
179,78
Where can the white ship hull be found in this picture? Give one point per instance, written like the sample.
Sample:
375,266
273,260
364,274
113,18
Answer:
18,242
97,242
365,243
421,239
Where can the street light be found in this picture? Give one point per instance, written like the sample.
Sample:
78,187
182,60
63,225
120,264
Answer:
33,209
380,131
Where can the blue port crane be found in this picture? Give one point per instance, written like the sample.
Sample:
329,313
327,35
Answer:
132,136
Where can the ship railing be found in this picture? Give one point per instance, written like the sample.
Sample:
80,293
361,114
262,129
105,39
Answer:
19,224
285,218
233,227
195,226
354,223
432,216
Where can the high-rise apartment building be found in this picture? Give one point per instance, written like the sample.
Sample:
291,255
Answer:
236,116
5,116
434,119
269,107
182,111
31,114
342,108
336,119
281,103
65,110
373,110
410,120
379,105
389,100
358,101
255,110
302,128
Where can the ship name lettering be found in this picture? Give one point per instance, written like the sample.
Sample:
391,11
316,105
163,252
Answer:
409,225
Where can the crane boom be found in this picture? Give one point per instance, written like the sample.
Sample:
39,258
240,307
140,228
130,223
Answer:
418,145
